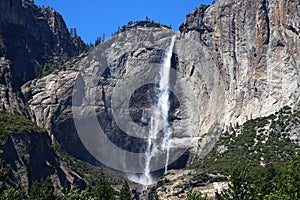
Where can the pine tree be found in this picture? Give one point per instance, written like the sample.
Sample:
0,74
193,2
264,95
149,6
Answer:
103,37
287,181
72,32
102,189
48,189
76,194
125,193
11,194
35,191
43,191
97,41
239,186
75,32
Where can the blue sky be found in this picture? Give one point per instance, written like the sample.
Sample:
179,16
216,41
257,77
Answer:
92,18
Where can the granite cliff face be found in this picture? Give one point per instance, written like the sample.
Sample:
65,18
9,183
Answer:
30,157
234,60
27,154
29,37
9,99
51,105
245,59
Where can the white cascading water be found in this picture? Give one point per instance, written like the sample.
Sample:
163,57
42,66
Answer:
160,117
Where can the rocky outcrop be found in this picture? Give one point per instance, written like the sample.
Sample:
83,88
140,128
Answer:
10,101
29,37
50,102
27,154
242,60
142,24
30,157
175,184
65,43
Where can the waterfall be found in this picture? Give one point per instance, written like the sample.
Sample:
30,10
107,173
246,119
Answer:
164,103
159,118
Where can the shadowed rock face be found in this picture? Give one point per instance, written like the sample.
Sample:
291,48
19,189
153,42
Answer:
29,38
31,158
234,60
32,35
9,99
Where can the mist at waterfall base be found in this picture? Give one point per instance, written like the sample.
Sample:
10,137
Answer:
159,119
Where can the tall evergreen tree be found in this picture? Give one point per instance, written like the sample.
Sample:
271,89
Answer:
102,190
76,194
287,181
43,191
48,189
125,193
35,191
239,186
98,41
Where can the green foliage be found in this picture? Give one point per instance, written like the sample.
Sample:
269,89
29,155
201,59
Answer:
97,41
38,70
100,39
35,191
246,183
10,123
43,191
51,65
238,186
4,172
11,194
3,132
102,190
125,193
258,141
255,155
259,181
73,32
76,194
100,187
91,173
287,182
195,195
143,23
48,189
13,124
